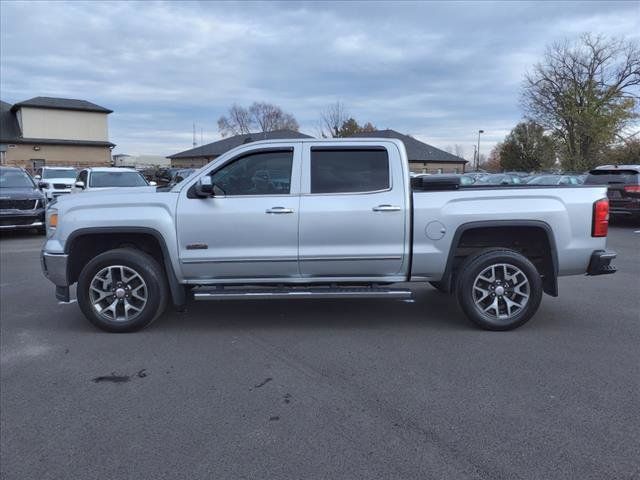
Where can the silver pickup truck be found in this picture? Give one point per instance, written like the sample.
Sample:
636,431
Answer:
324,219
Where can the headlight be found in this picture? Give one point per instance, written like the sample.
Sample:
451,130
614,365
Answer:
52,221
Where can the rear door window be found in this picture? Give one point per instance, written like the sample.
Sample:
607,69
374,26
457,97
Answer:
349,170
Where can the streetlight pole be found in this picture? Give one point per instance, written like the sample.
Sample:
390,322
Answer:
478,151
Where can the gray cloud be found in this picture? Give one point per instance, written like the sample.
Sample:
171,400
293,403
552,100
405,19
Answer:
436,71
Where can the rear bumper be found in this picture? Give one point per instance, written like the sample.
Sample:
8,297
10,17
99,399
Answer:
600,263
624,207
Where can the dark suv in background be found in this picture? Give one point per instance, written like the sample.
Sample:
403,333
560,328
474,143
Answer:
623,182
22,204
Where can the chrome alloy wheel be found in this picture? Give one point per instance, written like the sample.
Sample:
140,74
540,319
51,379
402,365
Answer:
118,293
501,291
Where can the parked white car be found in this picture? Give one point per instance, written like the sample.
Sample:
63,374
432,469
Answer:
55,181
91,179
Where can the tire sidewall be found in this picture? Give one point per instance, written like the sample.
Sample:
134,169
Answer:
145,266
475,265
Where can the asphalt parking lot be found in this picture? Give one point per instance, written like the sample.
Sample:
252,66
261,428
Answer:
322,389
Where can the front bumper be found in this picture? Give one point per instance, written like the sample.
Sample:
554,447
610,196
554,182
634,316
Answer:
54,267
21,219
600,263
51,194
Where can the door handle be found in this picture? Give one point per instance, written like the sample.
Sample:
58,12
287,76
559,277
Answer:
279,210
386,208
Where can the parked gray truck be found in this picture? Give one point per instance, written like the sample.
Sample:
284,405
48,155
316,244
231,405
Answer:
311,218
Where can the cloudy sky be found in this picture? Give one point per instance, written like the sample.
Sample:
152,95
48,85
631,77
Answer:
436,71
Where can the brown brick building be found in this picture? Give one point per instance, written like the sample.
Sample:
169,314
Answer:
54,131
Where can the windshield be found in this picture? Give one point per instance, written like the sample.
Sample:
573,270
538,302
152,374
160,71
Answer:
492,179
545,180
58,173
15,179
117,179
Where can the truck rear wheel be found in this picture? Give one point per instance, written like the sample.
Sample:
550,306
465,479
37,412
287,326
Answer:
498,289
122,290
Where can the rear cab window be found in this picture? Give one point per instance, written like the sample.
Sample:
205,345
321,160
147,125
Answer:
349,170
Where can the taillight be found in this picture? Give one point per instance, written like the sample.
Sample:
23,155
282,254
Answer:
632,188
600,225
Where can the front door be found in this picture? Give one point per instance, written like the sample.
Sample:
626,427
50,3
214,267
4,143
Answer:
353,213
249,229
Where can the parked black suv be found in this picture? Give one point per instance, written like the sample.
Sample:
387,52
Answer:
623,182
22,204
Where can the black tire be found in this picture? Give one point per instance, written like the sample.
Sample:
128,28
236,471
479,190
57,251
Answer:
139,262
500,315
438,286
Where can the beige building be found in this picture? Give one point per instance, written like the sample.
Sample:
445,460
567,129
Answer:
54,131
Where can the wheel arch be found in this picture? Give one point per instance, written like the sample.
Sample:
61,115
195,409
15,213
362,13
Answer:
520,235
85,243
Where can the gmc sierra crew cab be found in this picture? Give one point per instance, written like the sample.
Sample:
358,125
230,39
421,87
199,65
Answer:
309,218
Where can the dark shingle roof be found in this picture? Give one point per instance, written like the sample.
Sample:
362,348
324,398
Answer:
9,127
416,150
61,104
222,146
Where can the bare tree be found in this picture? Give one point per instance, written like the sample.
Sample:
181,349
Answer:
493,161
268,117
259,117
585,93
237,122
458,150
332,118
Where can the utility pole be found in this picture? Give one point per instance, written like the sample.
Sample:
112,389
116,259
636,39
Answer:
478,151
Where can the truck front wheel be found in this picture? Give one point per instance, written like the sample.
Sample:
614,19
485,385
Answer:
498,289
122,290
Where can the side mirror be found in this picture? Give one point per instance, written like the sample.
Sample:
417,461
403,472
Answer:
204,187
80,185
153,184
42,185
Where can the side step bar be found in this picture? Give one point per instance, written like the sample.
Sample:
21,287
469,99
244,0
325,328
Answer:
263,294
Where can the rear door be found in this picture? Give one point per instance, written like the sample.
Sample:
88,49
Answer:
353,211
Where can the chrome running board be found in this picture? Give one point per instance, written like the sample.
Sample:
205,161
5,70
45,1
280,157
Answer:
297,292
